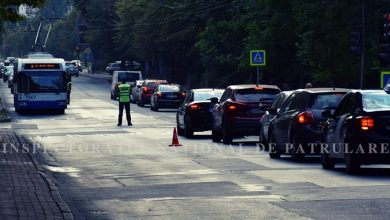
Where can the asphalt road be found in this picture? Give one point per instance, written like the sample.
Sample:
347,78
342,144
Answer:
109,172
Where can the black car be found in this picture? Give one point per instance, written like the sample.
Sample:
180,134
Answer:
267,117
298,124
358,131
194,114
238,113
166,96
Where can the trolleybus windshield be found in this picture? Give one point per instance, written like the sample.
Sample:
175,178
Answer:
41,81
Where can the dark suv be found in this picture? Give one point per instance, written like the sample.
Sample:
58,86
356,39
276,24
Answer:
298,123
239,111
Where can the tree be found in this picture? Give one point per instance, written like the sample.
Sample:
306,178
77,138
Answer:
9,10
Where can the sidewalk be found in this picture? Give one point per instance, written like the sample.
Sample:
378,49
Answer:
96,75
26,192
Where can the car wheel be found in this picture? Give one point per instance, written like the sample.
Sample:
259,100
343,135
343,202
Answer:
327,162
77,75
261,136
180,131
296,155
188,132
151,107
216,136
226,134
141,103
273,152
352,165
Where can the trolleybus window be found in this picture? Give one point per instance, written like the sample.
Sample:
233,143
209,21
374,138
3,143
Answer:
41,82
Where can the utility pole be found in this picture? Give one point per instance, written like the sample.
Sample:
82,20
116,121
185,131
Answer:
362,48
78,35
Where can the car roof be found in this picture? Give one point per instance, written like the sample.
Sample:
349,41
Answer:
370,91
250,86
323,90
207,90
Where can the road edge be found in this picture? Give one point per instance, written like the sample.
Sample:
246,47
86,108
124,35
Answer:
7,117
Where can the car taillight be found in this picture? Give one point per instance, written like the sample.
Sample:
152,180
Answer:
183,94
145,89
159,94
194,107
366,123
232,107
305,118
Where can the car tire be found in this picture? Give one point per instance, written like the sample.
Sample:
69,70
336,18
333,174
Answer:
352,164
273,152
216,136
141,103
112,97
226,134
327,162
188,132
77,75
295,155
180,131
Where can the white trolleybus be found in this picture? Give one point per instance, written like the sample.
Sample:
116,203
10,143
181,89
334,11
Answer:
40,84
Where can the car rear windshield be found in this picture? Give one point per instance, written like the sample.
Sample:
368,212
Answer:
256,95
376,102
166,88
326,100
206,95
128,77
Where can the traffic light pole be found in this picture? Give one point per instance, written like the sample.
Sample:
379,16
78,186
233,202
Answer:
362,49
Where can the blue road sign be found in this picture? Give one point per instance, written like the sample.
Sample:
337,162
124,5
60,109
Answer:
257,58
385,78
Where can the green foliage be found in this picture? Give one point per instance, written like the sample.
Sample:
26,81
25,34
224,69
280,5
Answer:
207,43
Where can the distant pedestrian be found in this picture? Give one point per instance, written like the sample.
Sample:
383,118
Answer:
68,89
124,102
308,85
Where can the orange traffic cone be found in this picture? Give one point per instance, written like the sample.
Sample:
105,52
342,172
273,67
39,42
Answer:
175,140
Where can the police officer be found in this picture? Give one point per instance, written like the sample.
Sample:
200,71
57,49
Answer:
68,89
124,102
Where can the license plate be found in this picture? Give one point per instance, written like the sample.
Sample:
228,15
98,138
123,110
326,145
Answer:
171,96
255,110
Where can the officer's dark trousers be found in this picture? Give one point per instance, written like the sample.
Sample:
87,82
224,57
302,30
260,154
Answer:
68,97
125,105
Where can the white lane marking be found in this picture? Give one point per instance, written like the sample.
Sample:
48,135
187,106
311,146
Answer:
191,172
253,187
265,197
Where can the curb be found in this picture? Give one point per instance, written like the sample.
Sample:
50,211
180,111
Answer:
66,212
7,117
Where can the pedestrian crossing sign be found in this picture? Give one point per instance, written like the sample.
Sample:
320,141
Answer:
257,58
385,79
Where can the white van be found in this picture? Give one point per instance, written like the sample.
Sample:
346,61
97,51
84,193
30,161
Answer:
127,75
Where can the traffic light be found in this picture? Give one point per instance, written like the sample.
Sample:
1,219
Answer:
384,55
356,42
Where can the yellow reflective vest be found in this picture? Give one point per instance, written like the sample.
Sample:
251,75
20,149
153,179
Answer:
124,92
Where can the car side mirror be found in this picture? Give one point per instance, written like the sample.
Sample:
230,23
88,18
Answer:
214,100
327,113
273,111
